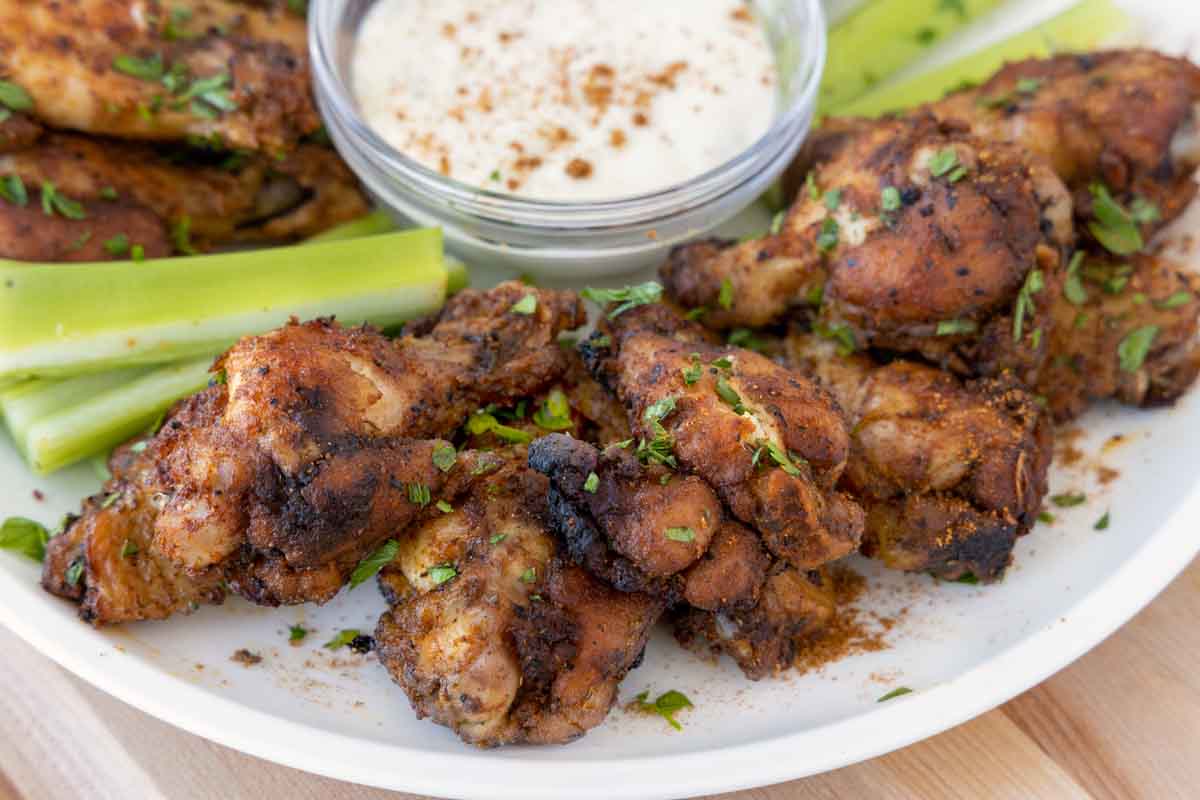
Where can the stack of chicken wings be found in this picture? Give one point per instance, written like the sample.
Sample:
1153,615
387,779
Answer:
878,374
149,129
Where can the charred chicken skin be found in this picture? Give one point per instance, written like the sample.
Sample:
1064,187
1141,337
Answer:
1129,119
1126,329
319,444
493,636
770,443
949,472
910,235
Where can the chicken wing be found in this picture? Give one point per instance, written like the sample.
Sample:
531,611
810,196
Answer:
159,70
493,636
1129,119
770,443
1126,329
949,473
319,442
912,236
133,194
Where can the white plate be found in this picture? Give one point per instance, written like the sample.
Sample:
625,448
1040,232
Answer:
962,649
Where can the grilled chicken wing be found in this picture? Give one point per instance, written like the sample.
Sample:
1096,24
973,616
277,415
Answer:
949,473
140,196
770,443
913,236
493,636
1127,329
1127,118
159,70
319,444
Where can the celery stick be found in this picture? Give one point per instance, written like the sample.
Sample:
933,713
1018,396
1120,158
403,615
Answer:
27,402
372,224
103,421
457,277
67,319
883,37
1082,27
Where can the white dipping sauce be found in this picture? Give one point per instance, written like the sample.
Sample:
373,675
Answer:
566,99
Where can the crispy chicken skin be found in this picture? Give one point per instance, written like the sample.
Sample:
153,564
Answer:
305,459
620,529
949,472
137,191
1127,118
770,443
1120,299
515,646
103,560
973,219
67,55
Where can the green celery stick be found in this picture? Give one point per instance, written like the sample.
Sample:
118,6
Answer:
1082,27
885,36
67,319
99,423
372,224
25,403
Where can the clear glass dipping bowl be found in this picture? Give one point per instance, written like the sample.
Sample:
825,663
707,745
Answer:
567,239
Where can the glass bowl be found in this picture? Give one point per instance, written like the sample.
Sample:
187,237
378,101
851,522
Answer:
567,239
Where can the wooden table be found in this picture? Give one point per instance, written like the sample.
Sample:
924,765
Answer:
1122,722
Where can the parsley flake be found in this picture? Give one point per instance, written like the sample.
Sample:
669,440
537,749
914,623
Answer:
526,305
129,548
1113,227
1177,299
297,634
725,296
146,69
1069,499
681,534
555,413
626,298
943,162
889,199
592,483
14,97
370,566
693,372
444,507
666,705
1102,523
342,639
894,693
442,573
24,536
827,239
1134,348
419,494
12,189
444,457
1073,289
956,327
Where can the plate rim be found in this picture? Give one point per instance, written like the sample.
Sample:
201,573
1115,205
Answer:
473,775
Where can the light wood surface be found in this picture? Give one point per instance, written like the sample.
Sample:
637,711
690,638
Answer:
1123,722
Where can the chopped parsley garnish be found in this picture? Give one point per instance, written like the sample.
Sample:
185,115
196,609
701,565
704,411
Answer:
110,500
681,534
1134,348
944,162
659,410
839,332
1069,499
729,395
526,305
1029,85
1073,288
694,371
483,422
626,298
1143,211
498,538
12,189
442,573
146,69
342,639
173,30
967,578
14,97
744,337
495,176
1102,523
1034,283
833,199
529,575
128,549
444,507
666,705
780,457
297,633
555,413
956,327
74,573
53,201
724,362
592,483
209,96
810,183
419,494
1114,228
725,296
660,449
1046,517
827,239
24,536
108,193
777,222
370,566
889,199
603,340
1177,299
181,236
444,457
894,693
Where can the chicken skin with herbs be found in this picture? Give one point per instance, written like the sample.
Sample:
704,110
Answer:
770,443
949,472
490,633
1126,119
911,235
322,442
1125,329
